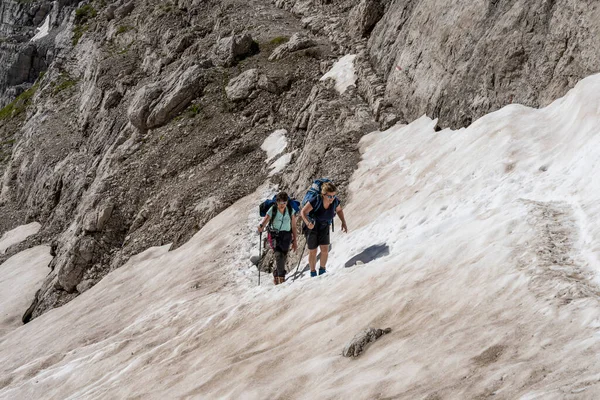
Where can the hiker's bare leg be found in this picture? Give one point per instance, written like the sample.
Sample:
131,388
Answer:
324,254
312,259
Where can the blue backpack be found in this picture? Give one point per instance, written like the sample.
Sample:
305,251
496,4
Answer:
314,192
264,207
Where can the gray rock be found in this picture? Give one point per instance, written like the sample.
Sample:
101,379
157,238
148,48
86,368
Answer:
358,344
388,120
70,274
109,13
231,49
184,87
142,103
523,52
298,41
84,285
364,16
242,86
124,10
104,215
156,103
112,99
90,222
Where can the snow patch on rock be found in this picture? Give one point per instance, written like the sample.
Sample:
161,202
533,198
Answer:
274,144
18,235
343,73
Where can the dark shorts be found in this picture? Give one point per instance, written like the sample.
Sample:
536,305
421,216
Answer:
316,237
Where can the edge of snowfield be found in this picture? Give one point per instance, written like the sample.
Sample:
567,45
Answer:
490,286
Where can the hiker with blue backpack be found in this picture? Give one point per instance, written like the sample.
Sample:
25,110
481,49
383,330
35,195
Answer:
280,222
319,207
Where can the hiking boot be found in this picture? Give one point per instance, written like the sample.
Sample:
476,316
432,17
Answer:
313,273
322,271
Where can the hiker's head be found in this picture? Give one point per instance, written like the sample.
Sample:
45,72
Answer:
328,191
282,199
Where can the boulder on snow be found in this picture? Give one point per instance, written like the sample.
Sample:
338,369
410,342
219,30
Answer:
361,340
364,16
229,50
369,254
298,41
242,86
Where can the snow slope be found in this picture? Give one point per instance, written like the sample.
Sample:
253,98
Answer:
20,276
17,235
490,288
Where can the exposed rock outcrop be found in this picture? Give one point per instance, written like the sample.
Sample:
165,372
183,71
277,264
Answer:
155,104
242,86
22,61
364,16
231,49
525,52
298,41
359,342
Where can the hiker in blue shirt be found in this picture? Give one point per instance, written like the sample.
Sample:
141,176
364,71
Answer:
282,233
317,229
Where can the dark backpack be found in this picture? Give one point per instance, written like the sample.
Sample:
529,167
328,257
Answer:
314,192
264,207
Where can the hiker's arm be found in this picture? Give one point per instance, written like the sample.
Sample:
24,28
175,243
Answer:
294,238
304,215
340,214
264,223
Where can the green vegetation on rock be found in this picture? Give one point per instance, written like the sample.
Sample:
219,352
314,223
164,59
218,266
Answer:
82,17
123,29
64,82
18,105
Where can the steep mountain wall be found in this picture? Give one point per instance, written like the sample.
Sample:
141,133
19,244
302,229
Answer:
22,57
459,61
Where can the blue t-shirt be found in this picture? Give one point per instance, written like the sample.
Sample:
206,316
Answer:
322,214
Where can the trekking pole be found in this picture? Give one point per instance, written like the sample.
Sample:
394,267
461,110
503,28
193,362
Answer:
259,255
299,261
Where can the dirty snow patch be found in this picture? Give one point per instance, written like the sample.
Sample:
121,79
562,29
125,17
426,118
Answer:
43,30
343,73
20,276
207,204
281,163
274,144
17,235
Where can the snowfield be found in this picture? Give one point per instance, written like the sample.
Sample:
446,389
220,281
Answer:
17,235
490,287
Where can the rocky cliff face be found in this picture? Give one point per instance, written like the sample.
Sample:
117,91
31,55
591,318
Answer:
150,116
23,55
469,58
